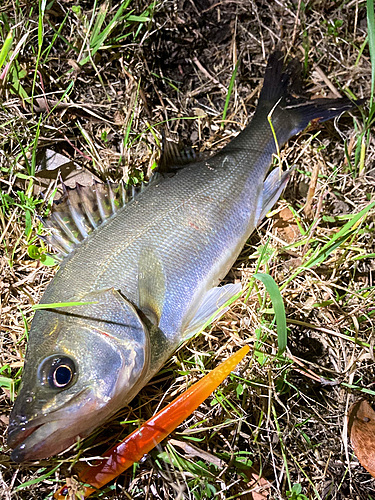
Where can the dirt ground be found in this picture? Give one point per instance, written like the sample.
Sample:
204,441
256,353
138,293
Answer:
277,428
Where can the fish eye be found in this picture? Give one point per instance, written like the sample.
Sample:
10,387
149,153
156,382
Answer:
61,376
58,372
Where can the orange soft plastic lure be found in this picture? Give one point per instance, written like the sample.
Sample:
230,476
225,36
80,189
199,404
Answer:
141,441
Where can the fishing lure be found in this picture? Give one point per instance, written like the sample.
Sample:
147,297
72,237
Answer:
123,455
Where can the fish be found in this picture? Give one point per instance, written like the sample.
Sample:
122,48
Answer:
144,266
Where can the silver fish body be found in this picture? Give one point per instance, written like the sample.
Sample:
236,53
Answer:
147,276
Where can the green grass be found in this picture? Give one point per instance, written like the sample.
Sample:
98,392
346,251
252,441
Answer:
371,42
5,49
126,57
279,309
230,90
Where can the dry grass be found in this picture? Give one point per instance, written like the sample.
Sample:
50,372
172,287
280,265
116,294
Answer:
270,414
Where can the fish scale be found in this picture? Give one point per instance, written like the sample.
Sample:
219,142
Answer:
171,229
148,274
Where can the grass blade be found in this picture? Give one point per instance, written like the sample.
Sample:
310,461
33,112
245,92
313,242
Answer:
345,232
335,242
371,43
278,307
6,48
37,480
55,305
230,89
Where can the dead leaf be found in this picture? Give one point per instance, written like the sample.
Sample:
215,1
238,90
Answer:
311,193
83,177
4,419
286,226
193,451
71,491
49,164
261,487
361,426
119,118
85,110
6,392
75,65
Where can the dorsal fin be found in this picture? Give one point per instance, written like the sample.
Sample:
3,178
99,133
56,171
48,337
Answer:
175,156
83,209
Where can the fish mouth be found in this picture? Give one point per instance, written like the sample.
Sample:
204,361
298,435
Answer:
18,434
40,441
53,433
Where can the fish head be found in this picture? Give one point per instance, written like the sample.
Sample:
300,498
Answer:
84,364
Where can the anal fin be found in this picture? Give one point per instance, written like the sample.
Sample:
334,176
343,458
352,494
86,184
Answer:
272,188
212,307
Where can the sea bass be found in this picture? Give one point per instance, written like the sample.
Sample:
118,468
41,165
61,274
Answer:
147,268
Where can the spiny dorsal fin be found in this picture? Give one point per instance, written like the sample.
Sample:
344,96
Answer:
175,156
83,209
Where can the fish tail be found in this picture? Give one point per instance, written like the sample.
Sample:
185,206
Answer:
276,80
289,114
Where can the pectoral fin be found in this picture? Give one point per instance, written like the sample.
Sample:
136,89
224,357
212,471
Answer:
151,285
212,307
